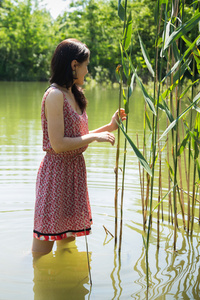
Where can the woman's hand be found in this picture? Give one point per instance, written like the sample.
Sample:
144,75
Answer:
105,136
115,118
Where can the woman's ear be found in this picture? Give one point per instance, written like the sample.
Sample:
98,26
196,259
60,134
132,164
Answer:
74,63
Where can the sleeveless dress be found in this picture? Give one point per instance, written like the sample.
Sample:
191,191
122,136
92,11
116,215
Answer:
62,207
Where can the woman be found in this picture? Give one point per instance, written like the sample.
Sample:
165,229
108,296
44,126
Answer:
62,209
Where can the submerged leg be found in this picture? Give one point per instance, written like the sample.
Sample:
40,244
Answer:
40,248
66,243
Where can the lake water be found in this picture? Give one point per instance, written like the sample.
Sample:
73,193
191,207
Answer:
64,274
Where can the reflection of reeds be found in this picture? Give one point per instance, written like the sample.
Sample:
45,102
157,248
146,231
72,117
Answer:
87,251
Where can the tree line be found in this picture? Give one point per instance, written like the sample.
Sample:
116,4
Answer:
29,35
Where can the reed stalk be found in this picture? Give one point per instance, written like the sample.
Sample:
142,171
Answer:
159,195
193,196
180,175
122,192
169,177
86,243
175,60
142,198
154,139
143,173
125,42
199,208
188,187
117,162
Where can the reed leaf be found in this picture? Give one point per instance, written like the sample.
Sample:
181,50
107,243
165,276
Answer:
125,69
192,45
166,35
163,198
170,169
182,30
198,168
156,12
157,9
149,100
144,242
195,50
183,144
169,90
146,56
179,73
131,87
197,59
137,151
148,121
176,51
195,143
127,33
195,100
187,88
121,11
196,108
166,109
180,59
126,104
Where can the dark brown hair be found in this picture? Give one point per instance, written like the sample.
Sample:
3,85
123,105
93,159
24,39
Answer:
61,70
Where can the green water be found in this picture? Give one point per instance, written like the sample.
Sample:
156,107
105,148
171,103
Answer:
64,274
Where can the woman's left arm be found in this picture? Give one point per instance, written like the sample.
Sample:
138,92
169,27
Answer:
113,123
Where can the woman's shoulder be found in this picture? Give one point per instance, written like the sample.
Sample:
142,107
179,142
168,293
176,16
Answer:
53,95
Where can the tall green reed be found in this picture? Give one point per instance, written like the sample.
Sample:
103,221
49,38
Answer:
174,52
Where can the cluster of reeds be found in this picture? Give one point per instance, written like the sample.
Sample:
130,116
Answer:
175,54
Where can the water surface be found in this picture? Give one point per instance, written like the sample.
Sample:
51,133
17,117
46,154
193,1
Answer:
64,274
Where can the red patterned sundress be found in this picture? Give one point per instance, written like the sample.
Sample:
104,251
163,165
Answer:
62,207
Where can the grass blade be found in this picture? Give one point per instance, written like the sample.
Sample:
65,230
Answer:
164,198
195,100
180,59
127,33
149,100
131,88
146,56
183,144
121,11
182,30
168,112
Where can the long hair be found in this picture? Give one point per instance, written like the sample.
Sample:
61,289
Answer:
61,70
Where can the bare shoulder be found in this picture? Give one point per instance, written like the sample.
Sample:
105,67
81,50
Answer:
54,104
54,97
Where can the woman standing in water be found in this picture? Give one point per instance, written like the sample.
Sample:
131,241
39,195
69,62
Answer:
62,208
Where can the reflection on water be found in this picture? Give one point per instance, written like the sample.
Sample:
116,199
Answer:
64,273
61,275
172,274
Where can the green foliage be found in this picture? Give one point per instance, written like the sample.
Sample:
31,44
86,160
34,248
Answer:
28,35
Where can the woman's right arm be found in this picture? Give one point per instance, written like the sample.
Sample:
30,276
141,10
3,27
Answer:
55,120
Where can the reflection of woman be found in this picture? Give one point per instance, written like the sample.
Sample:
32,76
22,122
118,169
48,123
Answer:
62,208
62,275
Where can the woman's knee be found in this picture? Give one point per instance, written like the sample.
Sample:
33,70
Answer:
40,248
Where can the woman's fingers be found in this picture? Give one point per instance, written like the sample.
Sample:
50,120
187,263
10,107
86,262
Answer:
110,138
106,137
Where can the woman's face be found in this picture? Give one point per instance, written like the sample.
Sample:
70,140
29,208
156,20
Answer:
81,70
